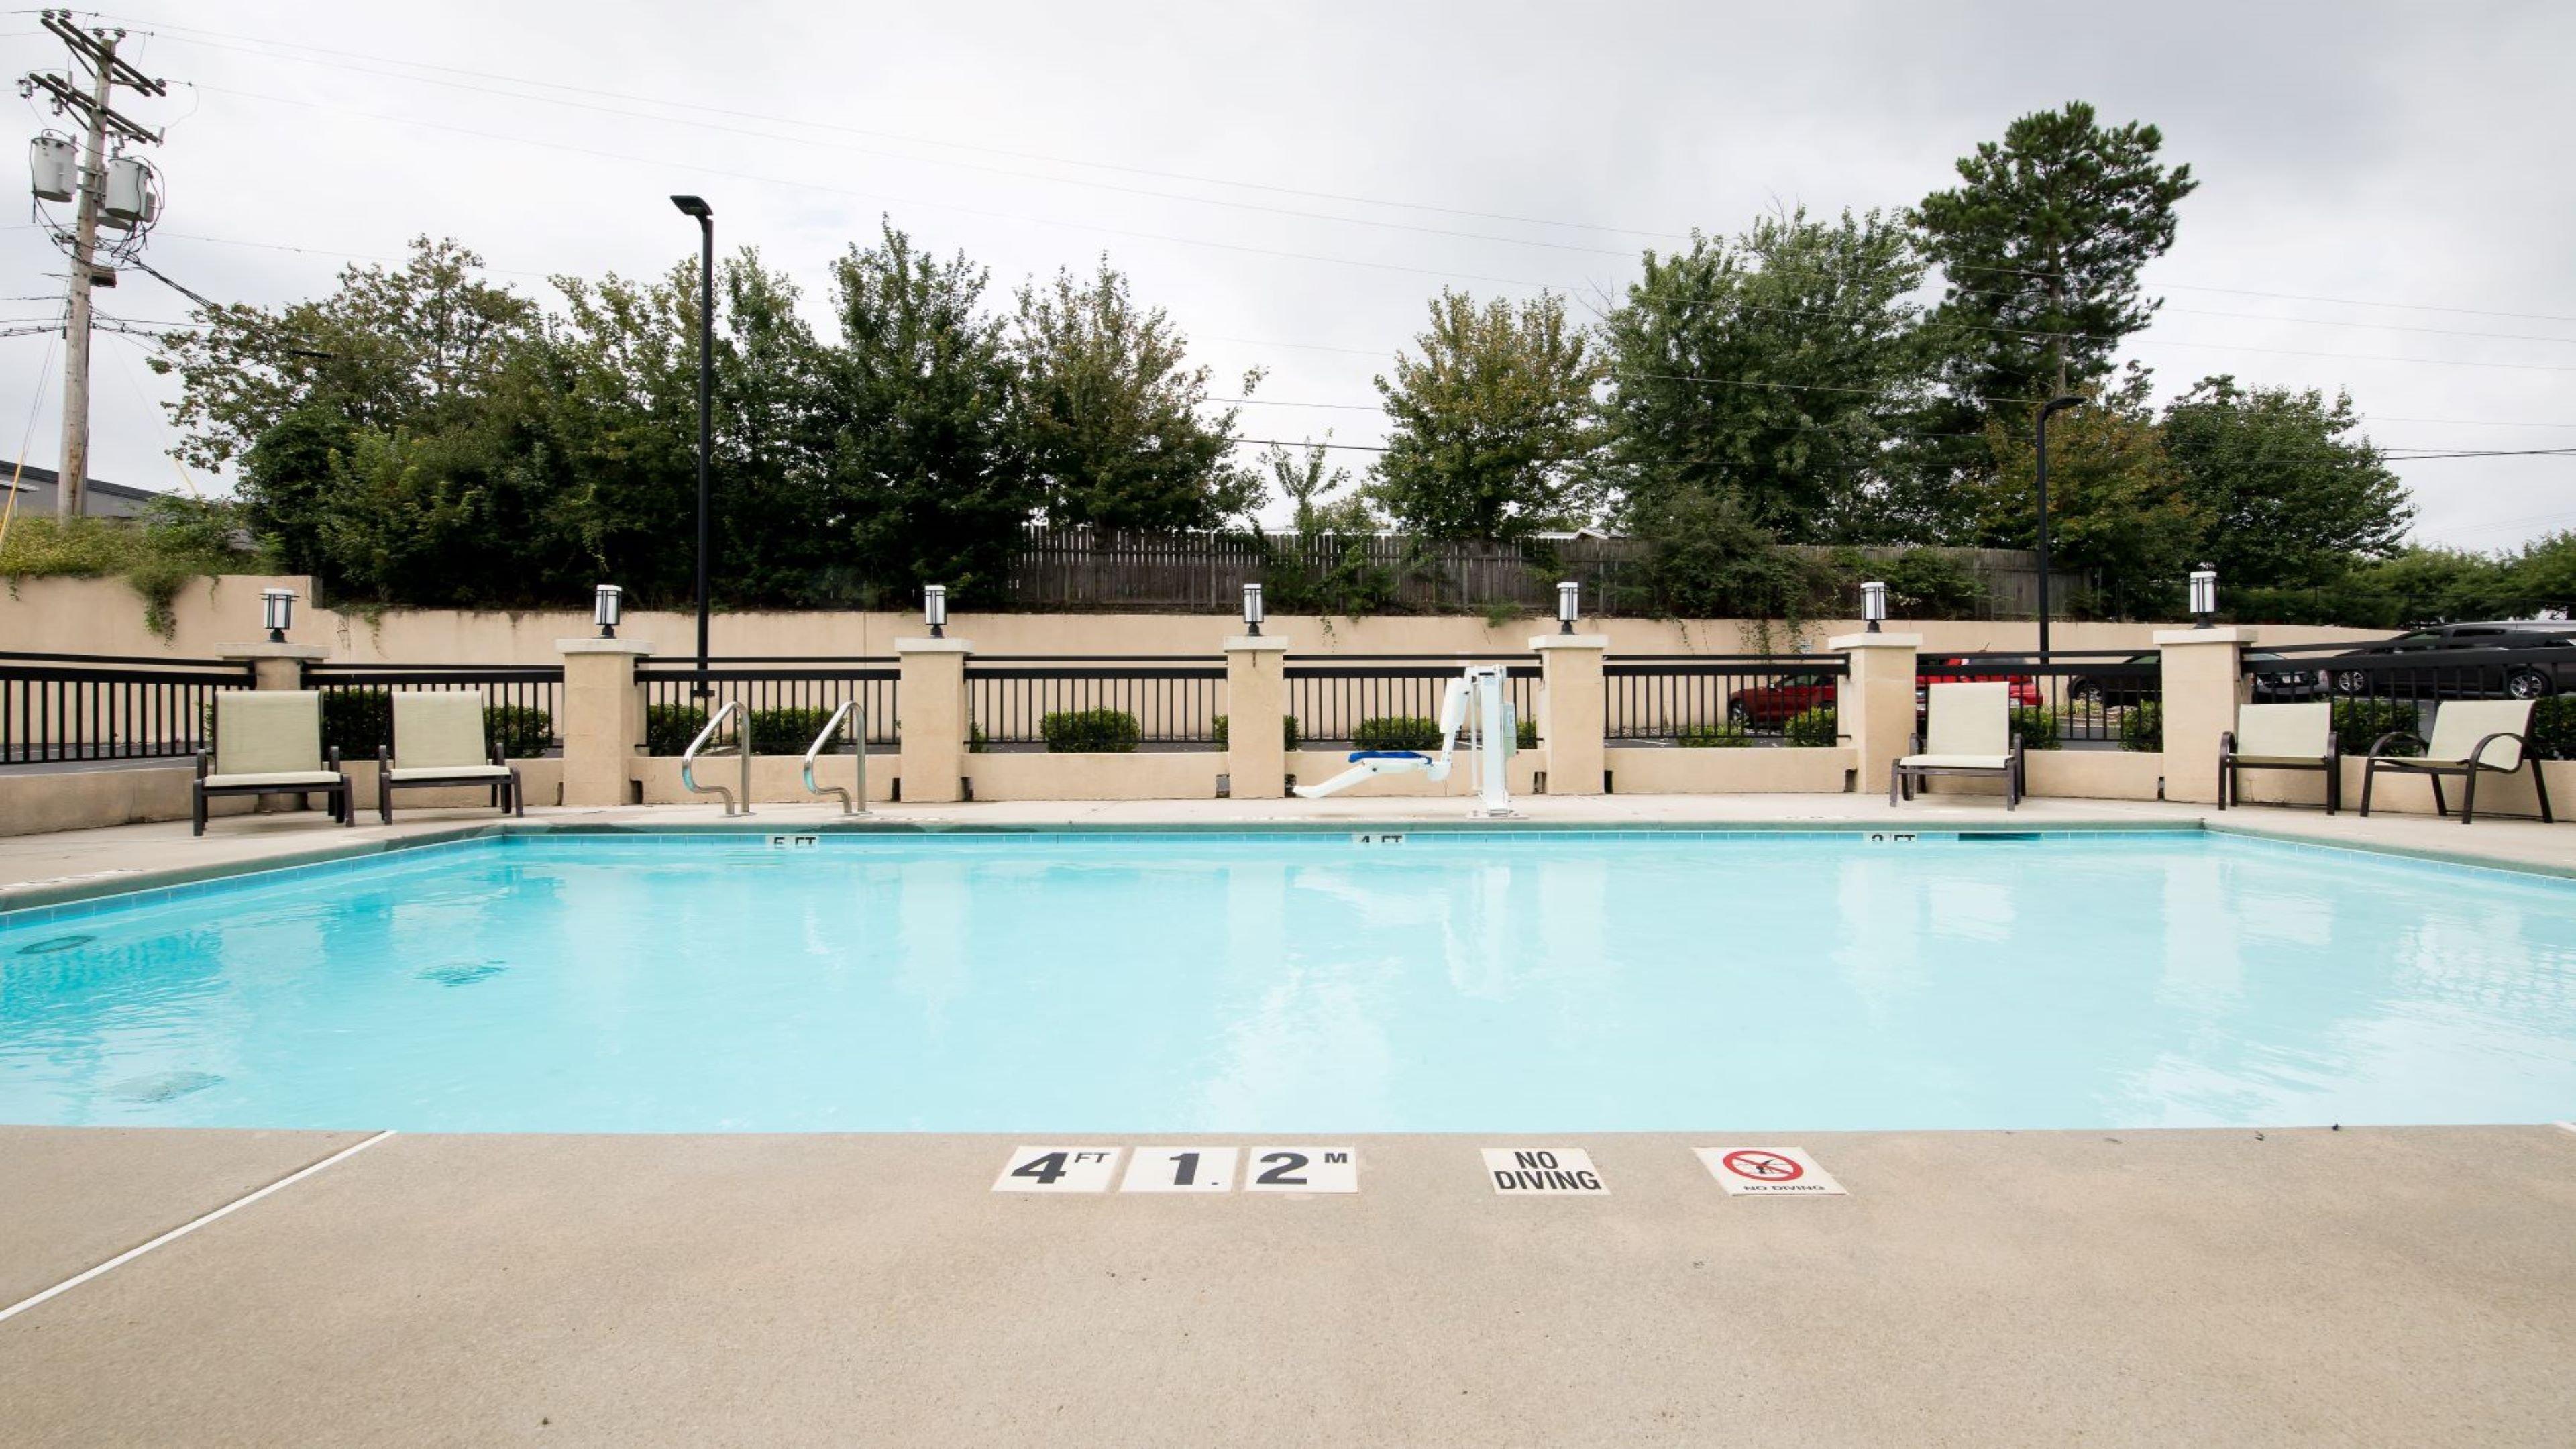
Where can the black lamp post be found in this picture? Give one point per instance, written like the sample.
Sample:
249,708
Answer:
697,206
2047,410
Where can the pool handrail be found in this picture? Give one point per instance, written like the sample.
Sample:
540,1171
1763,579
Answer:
858,737
742,748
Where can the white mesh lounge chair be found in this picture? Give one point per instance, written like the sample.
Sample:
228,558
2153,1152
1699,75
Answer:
1968,731
2471,737
438,741
2281,737
268,742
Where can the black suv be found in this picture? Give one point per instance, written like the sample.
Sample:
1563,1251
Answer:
2508,659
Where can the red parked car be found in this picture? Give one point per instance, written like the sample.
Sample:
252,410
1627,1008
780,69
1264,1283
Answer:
1770,706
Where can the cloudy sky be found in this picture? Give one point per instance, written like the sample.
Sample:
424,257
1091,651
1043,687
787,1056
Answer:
2384,203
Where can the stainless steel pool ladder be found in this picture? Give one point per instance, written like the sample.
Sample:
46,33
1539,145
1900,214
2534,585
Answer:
858,718
742,749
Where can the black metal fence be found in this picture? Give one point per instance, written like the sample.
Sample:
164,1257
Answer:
104,707
789,699
1686,697
2398,684
1174,699
522,703
1331,696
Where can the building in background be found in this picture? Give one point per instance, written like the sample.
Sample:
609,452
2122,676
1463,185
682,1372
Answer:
100,499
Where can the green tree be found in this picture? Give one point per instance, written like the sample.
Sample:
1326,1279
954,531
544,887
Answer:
2117,504
413,347
1117,427
2289,492
1708,559
1779,366
1493,423
1322,565
2041,246
923,475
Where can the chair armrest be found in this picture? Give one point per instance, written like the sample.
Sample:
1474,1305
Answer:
331,757
2379,746
2478,754
496,754
2226,743
205,763
384,759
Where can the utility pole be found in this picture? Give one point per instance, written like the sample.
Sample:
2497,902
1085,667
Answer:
95,50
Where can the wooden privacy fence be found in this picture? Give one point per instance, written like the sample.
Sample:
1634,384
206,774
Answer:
1083,569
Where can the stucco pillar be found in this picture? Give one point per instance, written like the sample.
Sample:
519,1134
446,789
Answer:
2204,681
603,718
1570,711
273,666
1875,707
1256,697
930,711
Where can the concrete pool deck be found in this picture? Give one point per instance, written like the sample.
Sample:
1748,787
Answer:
2367,1285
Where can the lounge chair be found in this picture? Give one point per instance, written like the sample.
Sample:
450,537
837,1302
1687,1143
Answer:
439,741
2281,737
1968,732
268,742
2471,737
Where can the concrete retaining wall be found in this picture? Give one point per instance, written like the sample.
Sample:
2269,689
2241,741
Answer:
32,802
1752,770
1159,775
104,616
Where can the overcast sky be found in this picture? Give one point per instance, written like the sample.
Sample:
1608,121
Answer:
1292,182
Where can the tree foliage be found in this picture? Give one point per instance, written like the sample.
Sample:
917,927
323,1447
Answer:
2288,492
1492,423
2117,503
1778,367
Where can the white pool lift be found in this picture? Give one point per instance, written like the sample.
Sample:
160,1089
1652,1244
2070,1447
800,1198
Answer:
1495,739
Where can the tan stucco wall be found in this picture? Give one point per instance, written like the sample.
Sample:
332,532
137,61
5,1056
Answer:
32,802
1145,775
2093,774
1646,770
104,616
775,779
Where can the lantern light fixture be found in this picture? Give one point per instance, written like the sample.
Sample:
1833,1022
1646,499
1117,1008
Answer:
1252,609
934,609
1873,605
277,612
1569,605
607,603
2204,594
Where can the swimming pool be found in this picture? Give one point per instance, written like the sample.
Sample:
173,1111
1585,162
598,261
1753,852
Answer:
1485,981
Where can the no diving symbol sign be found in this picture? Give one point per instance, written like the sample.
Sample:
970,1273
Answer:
1767,1170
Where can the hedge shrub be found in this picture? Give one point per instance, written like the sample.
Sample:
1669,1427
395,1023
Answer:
786,731
2142,727
1817,727
668,728
522,731
1525,735
1288,738
1090,732
2358,723
1716,737
357,721
2553,727
1396,732
2037,729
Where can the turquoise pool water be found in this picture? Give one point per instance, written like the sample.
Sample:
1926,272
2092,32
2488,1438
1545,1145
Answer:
1529,982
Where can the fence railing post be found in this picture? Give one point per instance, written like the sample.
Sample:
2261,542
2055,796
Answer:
603,719
1875,707
273,666
930,702
1256,700
1572,714
2203,683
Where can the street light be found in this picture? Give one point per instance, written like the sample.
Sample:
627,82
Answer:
1569,605
607,603
2204,594
696,206
1252,610
2047,410
1873,605
277,612
934,609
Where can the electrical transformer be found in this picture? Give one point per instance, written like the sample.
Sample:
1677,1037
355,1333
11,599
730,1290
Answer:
53,167
133,193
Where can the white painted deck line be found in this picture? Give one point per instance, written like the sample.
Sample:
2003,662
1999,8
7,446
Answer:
184,1229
